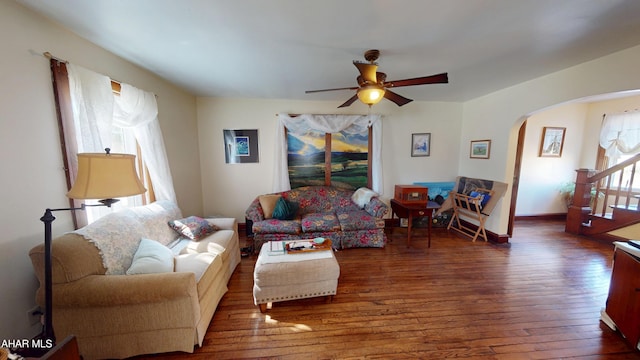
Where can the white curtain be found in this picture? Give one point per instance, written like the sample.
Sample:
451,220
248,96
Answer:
96,111
620,134
137,109
92,106
327,124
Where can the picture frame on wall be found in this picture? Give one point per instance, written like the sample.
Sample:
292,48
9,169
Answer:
421,144
480,149
241,146
552,141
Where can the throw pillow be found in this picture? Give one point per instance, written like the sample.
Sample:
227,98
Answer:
268,203
285,209
193,227
484,197
151,257
362,196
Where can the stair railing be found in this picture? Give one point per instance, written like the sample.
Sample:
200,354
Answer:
613,186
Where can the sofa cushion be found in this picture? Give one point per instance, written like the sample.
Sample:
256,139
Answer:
277,226
203,265
151,257
320,222
193,227
268,203
359,220
220,242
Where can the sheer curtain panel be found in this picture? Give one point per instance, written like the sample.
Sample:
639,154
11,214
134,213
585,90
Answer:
620,135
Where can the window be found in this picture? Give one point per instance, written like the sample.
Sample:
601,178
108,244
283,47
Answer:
330,131
338,159
619,142
121,141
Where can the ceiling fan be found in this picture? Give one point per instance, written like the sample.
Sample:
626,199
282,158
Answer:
372,85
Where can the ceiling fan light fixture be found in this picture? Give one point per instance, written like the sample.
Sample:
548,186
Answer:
371,94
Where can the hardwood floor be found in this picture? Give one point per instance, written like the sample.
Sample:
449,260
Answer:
538,297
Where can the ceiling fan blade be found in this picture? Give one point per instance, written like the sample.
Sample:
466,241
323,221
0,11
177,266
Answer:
350,101
433,79
322,90
398,99
367,71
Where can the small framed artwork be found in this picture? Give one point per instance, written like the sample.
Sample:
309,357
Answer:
421,144
240,146
480,149
552,141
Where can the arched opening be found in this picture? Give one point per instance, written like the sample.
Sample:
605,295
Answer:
538,180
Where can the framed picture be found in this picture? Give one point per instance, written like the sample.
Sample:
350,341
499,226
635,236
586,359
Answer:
421,144
552,141
240,146
480,149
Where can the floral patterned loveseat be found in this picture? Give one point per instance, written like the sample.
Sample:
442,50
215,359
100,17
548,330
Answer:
322,211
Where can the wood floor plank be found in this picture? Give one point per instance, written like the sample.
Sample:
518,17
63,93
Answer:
538,297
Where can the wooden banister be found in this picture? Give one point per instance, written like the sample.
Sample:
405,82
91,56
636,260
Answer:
586,202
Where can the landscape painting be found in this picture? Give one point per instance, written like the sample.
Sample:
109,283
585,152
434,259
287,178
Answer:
348,159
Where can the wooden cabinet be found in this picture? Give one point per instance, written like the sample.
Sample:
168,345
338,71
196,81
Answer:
623,303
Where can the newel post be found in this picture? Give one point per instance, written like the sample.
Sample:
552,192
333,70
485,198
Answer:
580,207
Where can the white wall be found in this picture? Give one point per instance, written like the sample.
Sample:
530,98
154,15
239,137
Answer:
228,189
32,176
497,116
540,177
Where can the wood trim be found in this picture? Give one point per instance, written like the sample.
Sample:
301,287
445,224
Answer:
62,99
549,217
516,176
327,159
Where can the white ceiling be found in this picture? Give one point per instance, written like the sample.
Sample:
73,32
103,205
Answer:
280,48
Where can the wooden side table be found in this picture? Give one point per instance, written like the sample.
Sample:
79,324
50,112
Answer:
414,211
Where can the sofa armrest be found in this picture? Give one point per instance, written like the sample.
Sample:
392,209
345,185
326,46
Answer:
224,223
121,290
376,207
254,211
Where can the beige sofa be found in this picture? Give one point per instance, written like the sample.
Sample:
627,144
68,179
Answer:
115,315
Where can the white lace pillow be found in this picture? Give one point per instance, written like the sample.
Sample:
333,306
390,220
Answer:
151,257
362,196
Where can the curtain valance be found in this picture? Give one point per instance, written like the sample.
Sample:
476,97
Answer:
620,134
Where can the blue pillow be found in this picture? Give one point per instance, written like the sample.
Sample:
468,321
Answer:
284,209
484,197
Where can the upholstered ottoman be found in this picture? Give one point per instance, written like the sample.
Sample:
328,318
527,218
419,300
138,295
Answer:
281,277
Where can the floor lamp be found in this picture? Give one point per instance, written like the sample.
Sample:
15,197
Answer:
100,176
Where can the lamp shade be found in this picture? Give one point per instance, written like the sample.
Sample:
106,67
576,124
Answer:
106,176
371,94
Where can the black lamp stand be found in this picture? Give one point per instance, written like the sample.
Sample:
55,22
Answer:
47,219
